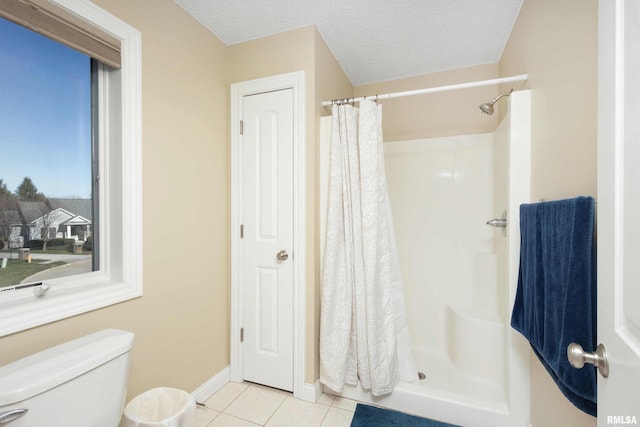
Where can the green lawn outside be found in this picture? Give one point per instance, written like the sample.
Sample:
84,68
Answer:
48,251
18,270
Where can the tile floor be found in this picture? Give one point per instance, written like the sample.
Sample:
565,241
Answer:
250,405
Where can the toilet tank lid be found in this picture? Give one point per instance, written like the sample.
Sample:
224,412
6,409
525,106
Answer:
47,369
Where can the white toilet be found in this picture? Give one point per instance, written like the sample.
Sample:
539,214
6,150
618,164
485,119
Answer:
81,383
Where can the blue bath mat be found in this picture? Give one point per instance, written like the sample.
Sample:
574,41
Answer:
370,416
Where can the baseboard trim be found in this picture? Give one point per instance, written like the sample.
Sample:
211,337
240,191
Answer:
212,385
310,392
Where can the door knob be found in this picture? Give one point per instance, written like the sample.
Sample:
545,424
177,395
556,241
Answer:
578,357
282,255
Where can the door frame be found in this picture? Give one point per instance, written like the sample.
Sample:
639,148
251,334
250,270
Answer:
296,82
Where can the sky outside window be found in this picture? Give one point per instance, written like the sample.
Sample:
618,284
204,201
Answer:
45,114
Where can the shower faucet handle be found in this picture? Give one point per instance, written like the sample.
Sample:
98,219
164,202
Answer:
500,223
497,222
9,416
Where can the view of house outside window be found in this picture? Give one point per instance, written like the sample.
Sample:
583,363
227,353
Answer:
46,205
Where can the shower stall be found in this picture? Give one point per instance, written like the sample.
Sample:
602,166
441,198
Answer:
459,273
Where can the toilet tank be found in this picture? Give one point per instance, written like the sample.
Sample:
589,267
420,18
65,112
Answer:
81,383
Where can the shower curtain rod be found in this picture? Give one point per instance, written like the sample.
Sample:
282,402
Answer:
518,78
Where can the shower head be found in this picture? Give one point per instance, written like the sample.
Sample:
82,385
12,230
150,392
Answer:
487,107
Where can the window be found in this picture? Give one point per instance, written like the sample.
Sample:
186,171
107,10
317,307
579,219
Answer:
46,136
114,218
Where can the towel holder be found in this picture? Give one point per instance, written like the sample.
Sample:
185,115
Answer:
545,200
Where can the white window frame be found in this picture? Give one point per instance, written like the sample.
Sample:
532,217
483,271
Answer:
119,277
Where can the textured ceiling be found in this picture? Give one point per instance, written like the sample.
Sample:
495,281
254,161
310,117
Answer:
374,40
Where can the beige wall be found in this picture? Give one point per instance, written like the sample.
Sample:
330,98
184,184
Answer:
181,323
276,54
436,114
556,43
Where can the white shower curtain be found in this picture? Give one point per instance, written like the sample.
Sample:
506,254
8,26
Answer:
363,327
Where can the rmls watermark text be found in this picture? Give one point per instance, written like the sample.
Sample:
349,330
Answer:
621,419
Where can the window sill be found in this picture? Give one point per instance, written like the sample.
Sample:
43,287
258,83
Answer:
24,310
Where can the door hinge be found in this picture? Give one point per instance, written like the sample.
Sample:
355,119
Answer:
241,127
241,334
241,231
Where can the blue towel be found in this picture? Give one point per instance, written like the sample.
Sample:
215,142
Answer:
556,296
